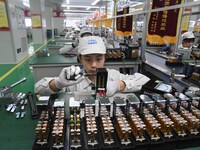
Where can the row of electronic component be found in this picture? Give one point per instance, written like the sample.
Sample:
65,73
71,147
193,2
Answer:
42,129
179,123
184,120
163,122
137,125
153,126
194,109
147,111
191,121
114,54
75,127
180,112
166,124
153,123
122,127
107,126
91,126
58,131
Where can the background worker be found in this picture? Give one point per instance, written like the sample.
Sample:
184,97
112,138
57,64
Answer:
73,34
107,44
72,49
188,39
91,53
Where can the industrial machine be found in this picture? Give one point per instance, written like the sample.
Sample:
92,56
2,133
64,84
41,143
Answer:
175,60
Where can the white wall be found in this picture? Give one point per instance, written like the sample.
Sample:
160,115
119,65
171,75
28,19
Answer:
58,23
48,15
16,38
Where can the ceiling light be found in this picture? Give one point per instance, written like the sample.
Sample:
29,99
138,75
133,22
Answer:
74,18
88,8
78,11
95,2
67,1
68,13
26,3
78,6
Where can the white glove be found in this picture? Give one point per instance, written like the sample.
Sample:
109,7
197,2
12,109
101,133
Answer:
69,76
112,88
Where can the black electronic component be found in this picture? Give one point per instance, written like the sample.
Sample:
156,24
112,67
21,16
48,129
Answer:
34,112
131,100
101,81
193,97
183,97
118,102
145,100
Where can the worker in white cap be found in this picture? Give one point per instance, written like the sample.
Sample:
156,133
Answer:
73,34
91,53
107,44
72,49
188,39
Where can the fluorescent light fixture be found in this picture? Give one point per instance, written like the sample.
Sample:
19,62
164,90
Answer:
78,6
68,13
77,11
67,1
26,3
137,4
74,18
95,2
88,8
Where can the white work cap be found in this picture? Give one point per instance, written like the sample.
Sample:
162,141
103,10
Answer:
188,35
85,31
77,29
91,45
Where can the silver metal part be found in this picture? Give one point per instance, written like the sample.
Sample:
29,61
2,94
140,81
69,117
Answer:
8,88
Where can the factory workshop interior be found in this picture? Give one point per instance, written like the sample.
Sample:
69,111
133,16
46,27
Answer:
153,45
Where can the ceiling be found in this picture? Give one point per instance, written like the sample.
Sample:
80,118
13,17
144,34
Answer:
77,8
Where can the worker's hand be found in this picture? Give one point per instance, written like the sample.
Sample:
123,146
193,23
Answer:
75,44
69,76
112,88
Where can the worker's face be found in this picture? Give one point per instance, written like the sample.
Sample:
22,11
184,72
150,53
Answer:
188,43
92,61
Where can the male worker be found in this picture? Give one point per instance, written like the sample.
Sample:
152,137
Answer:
188,39
72,49
91,53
